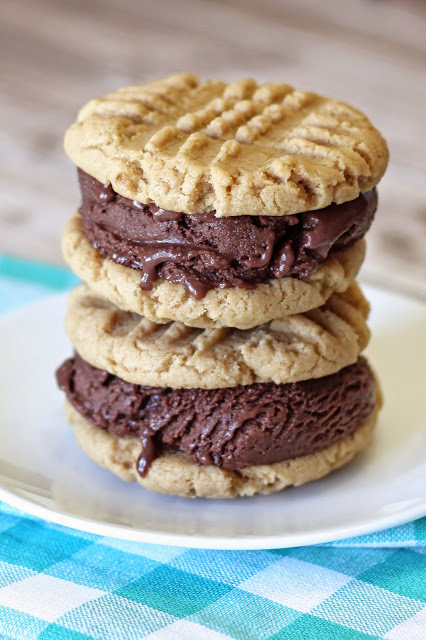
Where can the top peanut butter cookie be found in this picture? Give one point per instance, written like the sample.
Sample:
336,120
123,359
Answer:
235,149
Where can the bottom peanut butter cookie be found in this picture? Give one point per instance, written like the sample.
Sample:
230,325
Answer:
220,307
175,474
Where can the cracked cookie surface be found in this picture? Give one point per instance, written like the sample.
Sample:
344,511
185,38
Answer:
298,347
238,148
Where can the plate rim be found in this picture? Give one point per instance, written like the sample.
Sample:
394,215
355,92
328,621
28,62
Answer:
219,543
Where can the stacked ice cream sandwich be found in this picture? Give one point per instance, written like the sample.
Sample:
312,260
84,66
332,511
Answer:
219,328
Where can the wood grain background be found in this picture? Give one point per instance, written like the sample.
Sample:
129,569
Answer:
55,55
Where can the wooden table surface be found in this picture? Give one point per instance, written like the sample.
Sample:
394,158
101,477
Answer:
56,55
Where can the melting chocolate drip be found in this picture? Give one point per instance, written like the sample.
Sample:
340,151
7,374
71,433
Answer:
149,452
232,428
202,252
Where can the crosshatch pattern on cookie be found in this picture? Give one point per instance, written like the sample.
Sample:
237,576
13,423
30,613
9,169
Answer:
310,345
238,148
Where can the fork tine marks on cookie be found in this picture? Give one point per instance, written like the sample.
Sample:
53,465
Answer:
140,139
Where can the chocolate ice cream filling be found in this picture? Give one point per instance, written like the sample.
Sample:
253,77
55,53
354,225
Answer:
202,252
231,428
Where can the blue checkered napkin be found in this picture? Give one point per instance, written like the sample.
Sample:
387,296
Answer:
57,583
22,282
61,584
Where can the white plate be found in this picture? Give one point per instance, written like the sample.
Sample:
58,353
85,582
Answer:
44,472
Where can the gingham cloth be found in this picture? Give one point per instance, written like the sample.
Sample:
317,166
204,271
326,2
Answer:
61,584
